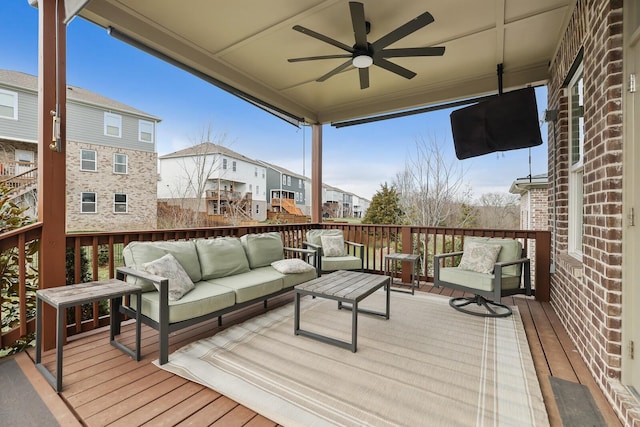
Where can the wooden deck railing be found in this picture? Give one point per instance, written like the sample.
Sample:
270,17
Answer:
103,251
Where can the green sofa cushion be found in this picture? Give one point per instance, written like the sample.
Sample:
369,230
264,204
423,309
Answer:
223,256
253,284
262,249
136,254
347,262
205,298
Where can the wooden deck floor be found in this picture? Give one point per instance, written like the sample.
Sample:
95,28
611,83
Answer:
103,386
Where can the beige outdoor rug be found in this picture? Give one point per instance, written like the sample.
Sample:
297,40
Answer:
427,365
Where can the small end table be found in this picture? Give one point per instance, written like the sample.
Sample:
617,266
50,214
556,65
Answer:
411,258
69,296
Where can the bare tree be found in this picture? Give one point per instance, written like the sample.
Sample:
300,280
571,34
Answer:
499,210
431,186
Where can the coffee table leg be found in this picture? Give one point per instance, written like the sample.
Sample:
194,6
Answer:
388,300
59,343
296,314
354,326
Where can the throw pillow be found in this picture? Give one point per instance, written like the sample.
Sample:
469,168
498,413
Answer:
292,265
479,257
333,246
169,267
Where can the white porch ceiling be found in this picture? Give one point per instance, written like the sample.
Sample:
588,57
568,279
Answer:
245,44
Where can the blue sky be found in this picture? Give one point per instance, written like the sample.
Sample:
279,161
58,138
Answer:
357,159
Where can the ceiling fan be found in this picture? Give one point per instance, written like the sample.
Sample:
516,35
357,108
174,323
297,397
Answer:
364,54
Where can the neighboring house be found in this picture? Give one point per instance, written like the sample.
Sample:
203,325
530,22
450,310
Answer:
110,155
360,206
534,201
215,180
332,202
286,190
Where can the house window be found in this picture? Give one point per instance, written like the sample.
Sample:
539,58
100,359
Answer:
88,160
255,173
8,105
145,131
257,208
250,188
89,202
576,166
113,125
257,190
299,183
263,173
284,180
233,166
224,163
120,203
289,181
120,163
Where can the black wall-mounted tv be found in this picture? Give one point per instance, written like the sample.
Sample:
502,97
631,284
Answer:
505,122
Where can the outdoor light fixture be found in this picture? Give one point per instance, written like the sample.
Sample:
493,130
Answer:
362,61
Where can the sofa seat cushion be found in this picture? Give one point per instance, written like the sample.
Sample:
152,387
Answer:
136,254
205,298
475,280
222,256
253,284
263,249
347,262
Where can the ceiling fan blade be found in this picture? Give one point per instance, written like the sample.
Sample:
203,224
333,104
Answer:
313,58
390,66
359,24
323,38
402,31
412,51
364,77
334,71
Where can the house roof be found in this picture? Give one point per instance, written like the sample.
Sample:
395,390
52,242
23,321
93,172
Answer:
209,148
522,185
283,170
244,47
29,83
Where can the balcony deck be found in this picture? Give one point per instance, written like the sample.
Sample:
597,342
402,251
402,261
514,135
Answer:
103,386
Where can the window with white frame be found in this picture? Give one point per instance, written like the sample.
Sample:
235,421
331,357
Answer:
8,105
250,188
145,131
233,166
120,203
257,208
576,165
113,125
89,202
88,160
257,190
299,183
289,181
284,180
120,162
224,163
255,173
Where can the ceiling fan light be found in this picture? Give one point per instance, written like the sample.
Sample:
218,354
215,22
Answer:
362,61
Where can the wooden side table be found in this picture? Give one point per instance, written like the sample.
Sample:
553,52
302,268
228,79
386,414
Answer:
411,258
64,297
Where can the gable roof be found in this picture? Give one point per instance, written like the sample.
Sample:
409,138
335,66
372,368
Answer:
208,148
29,83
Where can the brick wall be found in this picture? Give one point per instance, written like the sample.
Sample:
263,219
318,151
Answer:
139,184
586,294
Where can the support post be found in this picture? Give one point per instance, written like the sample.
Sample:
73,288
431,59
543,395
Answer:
316,173
51,161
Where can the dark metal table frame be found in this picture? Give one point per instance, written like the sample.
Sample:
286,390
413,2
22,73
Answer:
349,287
64,297
411,258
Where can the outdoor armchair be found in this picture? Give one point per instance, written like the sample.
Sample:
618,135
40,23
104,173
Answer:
489,268
333,251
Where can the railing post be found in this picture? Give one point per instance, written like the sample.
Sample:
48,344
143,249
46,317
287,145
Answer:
407,248
543,266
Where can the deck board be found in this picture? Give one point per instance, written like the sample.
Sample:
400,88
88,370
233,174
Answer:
103,386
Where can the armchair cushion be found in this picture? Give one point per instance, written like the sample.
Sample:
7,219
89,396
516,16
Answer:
333,246
315,236
169,267
479,257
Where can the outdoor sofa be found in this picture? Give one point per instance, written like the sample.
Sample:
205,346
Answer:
187,282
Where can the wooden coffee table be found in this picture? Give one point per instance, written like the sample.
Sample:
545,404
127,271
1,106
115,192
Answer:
349,287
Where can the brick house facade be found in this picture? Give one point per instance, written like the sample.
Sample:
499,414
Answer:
587,286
